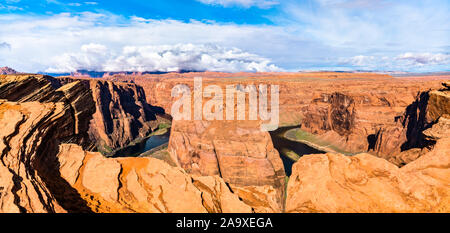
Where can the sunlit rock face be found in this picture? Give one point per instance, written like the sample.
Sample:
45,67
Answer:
225,166
417,128
237,151
143,185
121,113
353,111
39,173
106,115
364,183
29,130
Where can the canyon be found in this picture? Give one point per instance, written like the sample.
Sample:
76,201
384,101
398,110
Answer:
384,142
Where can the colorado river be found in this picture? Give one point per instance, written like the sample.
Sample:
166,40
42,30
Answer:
144,146
289,149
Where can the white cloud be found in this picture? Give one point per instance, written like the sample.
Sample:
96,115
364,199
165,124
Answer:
81,4
425,58
406,61
161,58
243,3
359,60
74,4
364,26
36,40
361,4
10,8
308,35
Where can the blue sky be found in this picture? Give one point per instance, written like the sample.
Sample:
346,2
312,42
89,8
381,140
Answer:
225,35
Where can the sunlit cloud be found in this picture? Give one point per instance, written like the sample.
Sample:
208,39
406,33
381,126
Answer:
180,57
305,35
53,44
404,61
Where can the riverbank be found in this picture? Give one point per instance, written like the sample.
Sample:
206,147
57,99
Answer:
298,135
290,150
142,145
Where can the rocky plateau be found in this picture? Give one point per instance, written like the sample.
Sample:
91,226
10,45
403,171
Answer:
56,132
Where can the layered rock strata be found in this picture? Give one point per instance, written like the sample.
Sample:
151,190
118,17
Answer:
365,183
106,115
349,110
238,152
39,173
143,185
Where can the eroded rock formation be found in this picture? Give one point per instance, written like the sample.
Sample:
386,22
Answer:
122,114
409,133
349,110
353,112
46,165
238,152
107,115
365,183
29,131
39,174
143,185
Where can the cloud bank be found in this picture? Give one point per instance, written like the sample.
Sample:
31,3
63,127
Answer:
180,57
305,35
420,59
409,61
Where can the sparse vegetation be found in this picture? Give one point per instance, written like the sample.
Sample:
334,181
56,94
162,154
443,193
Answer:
163,126
313,141
290,154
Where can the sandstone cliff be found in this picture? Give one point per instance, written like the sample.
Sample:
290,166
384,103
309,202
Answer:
408,133
351,111
29,132
46,165
143,185
38,173
238,152
106,115
365,183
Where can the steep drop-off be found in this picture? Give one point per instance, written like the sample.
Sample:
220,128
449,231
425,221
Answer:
30,134
106,115
38,173
143,185
347,110
46,165
352,112
238,152
365,183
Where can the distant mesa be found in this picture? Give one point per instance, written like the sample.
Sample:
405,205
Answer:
7,70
